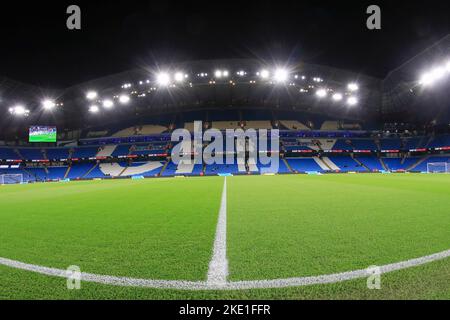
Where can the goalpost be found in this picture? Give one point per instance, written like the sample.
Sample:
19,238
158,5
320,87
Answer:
11,179
438,167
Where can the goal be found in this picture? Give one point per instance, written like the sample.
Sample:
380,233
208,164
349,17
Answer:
438,167
11,179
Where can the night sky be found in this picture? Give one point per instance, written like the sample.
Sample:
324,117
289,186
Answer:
117,35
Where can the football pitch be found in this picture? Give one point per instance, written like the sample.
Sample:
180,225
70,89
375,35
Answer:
269,237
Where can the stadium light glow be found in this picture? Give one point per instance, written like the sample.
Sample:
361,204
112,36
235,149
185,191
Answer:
163,79
281,75
48,104
321,93
19,110
264,74
124,99
179,76
337,96
91,95
221,73
241,73
353,87
108,104
351,101
94,109
435,74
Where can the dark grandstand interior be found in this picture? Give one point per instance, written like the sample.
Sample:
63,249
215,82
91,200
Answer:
337,109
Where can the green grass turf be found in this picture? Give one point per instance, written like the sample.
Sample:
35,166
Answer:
289,226
278,226
154,228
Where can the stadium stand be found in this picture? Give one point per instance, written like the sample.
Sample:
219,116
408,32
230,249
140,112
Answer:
56,173
258,124
8,154
304,165
57,153
85,152
371,162
78,171
390,144
292,125
347,163
397,164
32,154
329,126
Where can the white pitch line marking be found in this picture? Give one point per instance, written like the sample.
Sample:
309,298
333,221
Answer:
237,285
218,267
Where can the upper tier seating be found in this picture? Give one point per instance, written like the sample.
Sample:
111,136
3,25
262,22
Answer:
440,141
8,154
57,153
144,130
355,144
363,144
390,144
122,150
258,125
106,151
293,125
85,152
32,154
223,125
330,126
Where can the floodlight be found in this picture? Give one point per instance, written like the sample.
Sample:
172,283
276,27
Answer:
94,109
124,98
241,73
221,73
434,75
108,104
264,74
438,73
351,101
281,75
19,110
91,95
426,79
353,87
321,93
179,77
163,79
48,104
337,96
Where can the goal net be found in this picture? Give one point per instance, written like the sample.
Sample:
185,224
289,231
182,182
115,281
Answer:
438,167
11,179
